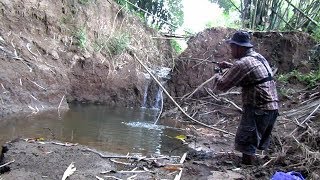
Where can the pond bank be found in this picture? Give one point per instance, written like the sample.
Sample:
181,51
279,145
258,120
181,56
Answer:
36,159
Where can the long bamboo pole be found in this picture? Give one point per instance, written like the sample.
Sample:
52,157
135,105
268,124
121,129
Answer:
171,98
300,11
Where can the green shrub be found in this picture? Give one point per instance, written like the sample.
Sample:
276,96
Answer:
310,79
118,43
316,34
176,46
84,1
81,37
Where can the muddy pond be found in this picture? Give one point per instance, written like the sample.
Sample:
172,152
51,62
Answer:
112,129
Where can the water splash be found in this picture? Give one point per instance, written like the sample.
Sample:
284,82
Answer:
146,125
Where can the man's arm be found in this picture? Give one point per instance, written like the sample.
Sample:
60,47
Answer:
232,77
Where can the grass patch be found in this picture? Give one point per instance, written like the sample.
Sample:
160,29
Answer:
115,44
118,43
176,46
84,2
81,37
310,79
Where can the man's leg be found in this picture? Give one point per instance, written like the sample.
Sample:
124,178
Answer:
247,159
246,140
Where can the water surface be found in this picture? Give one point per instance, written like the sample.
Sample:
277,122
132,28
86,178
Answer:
119,130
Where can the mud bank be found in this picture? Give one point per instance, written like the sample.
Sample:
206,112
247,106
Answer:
34,159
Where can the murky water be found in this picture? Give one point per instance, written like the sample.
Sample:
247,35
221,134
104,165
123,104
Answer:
110,129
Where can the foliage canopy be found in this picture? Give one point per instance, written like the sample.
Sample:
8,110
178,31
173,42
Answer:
162,14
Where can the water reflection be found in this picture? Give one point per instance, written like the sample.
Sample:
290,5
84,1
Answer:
105,128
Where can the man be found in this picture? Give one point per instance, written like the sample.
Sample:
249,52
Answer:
252,72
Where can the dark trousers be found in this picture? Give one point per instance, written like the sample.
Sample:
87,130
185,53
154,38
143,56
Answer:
255,129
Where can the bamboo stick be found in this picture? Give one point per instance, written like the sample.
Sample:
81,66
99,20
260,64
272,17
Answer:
300,11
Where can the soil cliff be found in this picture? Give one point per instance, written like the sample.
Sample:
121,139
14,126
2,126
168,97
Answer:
52,52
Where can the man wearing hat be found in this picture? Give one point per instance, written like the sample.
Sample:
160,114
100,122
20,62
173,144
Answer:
252,72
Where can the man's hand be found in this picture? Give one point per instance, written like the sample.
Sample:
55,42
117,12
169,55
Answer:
224,64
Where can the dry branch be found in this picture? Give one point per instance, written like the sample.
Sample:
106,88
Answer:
5,164
199,87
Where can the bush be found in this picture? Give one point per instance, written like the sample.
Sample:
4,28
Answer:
118,43
176,46
310,79
83,1
81,37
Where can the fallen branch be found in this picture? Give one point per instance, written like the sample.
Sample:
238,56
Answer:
29,49
223,99
124,172
5,164
99,178
113,177
311,114
199,87
120,157
119,162
179,107
60,104
183,158
38,85
64,144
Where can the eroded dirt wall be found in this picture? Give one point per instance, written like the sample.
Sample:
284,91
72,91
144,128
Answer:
55,49
285,51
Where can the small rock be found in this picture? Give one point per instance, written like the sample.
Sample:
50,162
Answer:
54,54
75,58
86,55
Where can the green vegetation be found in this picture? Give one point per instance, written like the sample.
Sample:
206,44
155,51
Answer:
266,15
176,46
155,13
114,45
310,79
84,1
118,43
316,34
81,37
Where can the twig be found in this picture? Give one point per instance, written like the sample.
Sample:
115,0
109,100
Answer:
64,144
119,162
29,49
99,178
124,172
227,93
223,99
183,158
69,171
179,107
311,114
113,177
132,177
60,103
38,85
5,164
104,156
201,85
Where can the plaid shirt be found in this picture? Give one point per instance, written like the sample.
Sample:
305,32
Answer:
245,72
